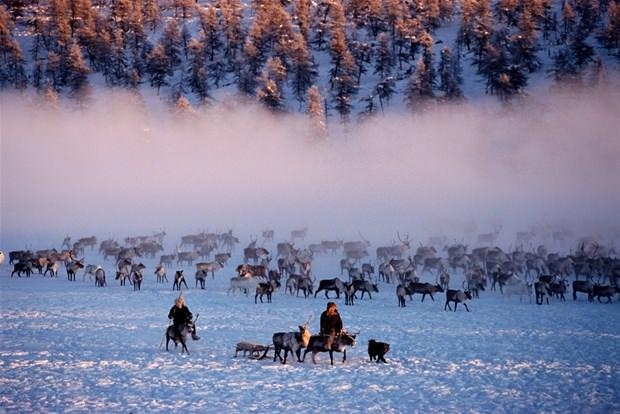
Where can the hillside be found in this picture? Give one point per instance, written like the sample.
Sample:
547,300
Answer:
346,60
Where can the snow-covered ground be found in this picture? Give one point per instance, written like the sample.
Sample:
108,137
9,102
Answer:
72,347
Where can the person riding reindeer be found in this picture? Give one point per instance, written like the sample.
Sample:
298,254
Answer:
181,315
331,324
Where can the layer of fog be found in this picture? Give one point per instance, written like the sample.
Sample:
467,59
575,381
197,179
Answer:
118,169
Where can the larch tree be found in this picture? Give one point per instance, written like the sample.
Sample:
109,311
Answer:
52,71
450,76
172,42
158,67
209,31
383,57
103,49
151,13
344,87
386,86
447,8
320,25
523,44
120,13
75,74
183,8
198,79
12,62
80,15
116,71
86,33
302,71
232,22
316,112
58,27
50,97
303,18
609,35
568,21
271,81
419,93
343,72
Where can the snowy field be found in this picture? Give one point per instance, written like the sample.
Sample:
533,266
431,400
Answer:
72,347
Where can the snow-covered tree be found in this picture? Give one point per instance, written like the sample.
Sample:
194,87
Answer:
172,43
271,84
197,76
383,59
609,35
75,74
419,94
12,61
316,112
450,75
158,67
302,71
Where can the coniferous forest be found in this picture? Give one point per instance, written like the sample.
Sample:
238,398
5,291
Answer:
350,58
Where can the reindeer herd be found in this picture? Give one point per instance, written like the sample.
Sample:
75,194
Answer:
591,268
458,271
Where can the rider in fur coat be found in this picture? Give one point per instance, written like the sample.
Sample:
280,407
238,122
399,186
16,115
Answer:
180,315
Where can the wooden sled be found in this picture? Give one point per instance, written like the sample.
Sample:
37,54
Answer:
255,351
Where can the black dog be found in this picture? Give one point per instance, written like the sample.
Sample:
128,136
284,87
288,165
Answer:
377,350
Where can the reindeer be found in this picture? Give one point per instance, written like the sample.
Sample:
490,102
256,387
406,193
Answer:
128,253
66,243
73,267
266,288
89,271
123,274
209,267
187,257
290,342
285,249
331,246
244,283
52,268
489,238
222,258
327,285
316,344
356,250
385,253
368,270
137,279
299,234
167,259
160,272
179,279
22,267
201,276
524,237
254,253
88,242
268,235
100,277
305,284
444,280
228,241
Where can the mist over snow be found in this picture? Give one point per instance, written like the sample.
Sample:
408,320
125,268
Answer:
121,167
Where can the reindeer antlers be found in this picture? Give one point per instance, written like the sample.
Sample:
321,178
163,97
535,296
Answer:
308,320
406,238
